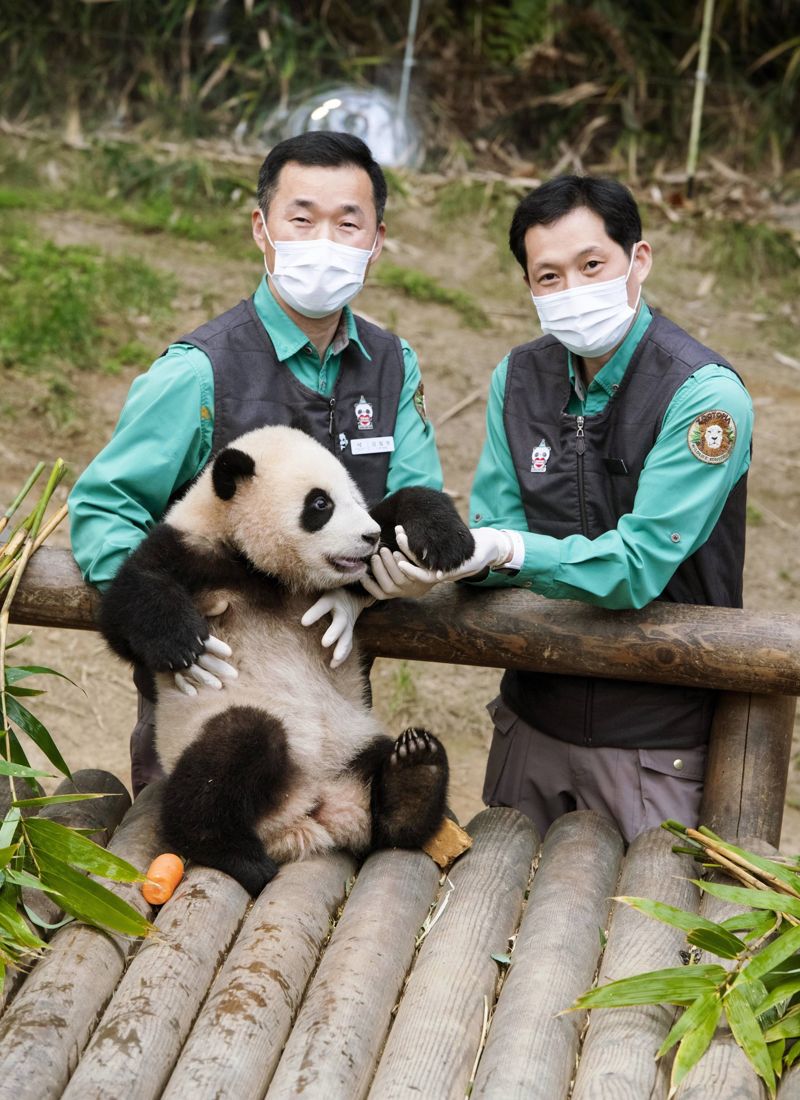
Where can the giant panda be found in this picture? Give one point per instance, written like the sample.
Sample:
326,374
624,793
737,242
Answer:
288,759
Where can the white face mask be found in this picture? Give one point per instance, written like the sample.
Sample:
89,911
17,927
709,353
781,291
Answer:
589,320
317,277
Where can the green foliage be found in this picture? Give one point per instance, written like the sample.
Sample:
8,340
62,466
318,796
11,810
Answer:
759,995
416,284
745,253
533,74
72,307
37,853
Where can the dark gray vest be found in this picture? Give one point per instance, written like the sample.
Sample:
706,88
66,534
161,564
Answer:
252,389
592,474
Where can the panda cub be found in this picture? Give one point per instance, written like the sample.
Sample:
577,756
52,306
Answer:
288,759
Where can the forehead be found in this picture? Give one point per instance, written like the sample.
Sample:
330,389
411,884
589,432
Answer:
565,238
342,185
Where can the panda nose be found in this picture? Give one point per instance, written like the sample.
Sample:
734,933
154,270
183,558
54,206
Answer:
372,540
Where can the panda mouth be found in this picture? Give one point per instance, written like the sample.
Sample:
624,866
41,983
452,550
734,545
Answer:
349,566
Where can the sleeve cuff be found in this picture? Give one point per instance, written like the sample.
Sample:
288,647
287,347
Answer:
515,563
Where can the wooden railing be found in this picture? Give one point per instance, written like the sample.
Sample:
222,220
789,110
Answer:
752,658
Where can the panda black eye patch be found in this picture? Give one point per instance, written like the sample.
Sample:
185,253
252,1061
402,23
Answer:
317,510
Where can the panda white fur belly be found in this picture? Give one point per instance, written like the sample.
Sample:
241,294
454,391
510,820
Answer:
288,759
284,667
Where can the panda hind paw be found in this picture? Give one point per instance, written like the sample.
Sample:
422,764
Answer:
416,746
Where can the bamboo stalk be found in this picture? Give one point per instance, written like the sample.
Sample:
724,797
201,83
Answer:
700,81
18,499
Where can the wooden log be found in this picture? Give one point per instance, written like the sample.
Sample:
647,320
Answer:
618,1056
724,1072
53,593
236,1042
135,1045
439,1026
342,1024
50,1020
714,647
531,1049
748,763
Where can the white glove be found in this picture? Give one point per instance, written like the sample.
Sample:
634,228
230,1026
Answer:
388,581
493,547
208,670
344,609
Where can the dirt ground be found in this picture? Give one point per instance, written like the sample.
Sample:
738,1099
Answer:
91,724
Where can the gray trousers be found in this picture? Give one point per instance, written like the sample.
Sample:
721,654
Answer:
145,765
545,778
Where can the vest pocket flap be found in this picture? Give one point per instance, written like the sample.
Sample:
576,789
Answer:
679,763
502,716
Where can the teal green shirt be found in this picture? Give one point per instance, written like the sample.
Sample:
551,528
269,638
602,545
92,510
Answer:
163,438
677,495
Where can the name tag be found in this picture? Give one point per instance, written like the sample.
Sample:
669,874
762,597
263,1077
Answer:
372,446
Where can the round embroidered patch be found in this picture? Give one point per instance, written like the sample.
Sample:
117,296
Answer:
711,436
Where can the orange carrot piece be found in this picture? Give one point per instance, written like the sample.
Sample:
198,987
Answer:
163,875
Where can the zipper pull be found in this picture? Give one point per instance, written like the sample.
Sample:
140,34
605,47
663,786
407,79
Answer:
581,441
332,407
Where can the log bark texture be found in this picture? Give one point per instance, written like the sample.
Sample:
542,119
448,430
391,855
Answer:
716,647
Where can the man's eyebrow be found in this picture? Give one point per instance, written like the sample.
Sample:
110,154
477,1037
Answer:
578,256
309,204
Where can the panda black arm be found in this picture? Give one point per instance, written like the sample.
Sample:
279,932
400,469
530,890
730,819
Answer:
147,614
437,535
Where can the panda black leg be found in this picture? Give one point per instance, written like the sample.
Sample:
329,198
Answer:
409,791
223,783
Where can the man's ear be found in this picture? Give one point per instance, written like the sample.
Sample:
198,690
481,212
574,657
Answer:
230,466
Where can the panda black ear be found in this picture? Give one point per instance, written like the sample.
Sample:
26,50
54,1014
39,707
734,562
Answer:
229,467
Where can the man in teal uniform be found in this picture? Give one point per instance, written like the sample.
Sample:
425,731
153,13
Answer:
614,472
294,352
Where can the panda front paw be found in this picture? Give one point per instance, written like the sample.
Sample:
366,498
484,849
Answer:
175,649
437,536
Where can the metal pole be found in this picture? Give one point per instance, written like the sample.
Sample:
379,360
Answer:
408,61
700,81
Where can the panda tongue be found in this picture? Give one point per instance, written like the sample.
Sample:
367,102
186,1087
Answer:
348,565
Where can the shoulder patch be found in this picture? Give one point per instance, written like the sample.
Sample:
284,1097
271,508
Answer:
419,403
711,436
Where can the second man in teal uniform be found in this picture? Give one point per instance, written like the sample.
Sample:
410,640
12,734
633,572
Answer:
614,472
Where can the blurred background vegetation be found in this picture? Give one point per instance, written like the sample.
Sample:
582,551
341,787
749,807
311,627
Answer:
537,82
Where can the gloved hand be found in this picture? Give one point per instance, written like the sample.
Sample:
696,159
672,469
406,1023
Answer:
493,547
388,581
344,608
208,670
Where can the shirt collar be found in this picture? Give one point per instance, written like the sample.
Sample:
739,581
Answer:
612,373
288,339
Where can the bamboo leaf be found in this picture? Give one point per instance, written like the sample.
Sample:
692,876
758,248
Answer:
748,1034
768,958
20,693
31,725
89,900
783,992
719,942
12,922
687,922
49,838
56,799
777,870
755,924
697,1011
20,771
788,1027
19,672
23,878
9,827
776,1052
675,985
7,854
792,1055
756,899
695,1043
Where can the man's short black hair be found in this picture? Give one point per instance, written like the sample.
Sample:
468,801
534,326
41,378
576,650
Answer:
607,198
323,149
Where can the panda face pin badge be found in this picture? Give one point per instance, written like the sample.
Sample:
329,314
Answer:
364,414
